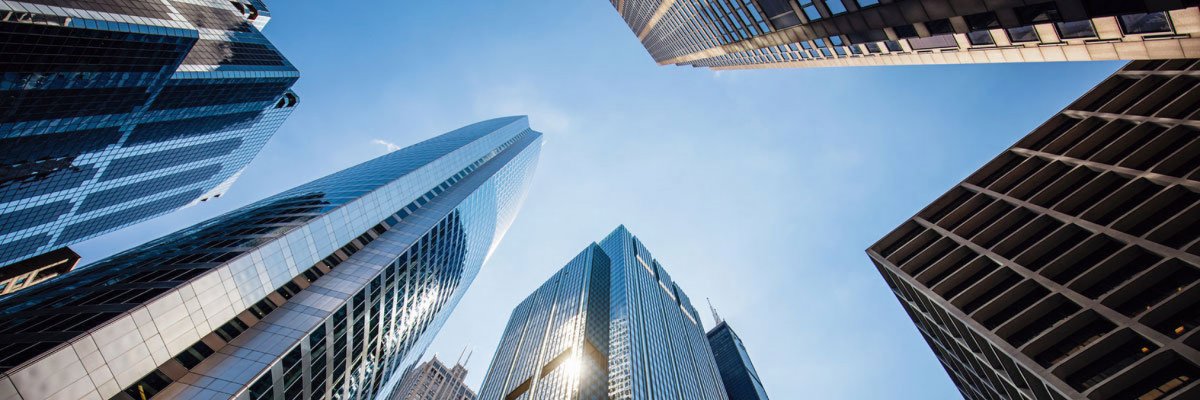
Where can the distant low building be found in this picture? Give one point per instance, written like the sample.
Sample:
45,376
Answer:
37,269
433,380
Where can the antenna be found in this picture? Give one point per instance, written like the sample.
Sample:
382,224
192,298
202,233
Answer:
716,317
460,356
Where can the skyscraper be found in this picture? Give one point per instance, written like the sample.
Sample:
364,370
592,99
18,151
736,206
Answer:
824,33
322,291
1068,267
610,325
113,112
733,361
433,380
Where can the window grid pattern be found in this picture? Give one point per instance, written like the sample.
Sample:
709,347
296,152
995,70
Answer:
617,320
1069,266
109,126
891,33
266,242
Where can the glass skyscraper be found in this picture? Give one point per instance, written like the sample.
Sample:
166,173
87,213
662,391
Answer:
735,34
323,291
737,371
1068,267
116,111
611,324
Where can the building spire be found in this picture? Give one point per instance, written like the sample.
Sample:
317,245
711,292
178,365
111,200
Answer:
462,361
716,317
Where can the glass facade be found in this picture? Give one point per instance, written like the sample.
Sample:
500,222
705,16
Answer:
765,33
737,371
610,325
326,290
113,112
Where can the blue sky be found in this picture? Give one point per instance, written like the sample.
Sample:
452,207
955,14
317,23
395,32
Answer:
758,189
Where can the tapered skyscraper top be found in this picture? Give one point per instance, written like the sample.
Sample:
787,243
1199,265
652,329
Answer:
354,272
827,33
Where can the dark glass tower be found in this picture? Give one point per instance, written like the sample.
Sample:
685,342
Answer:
322,291
610,325
732,34
1069,266
113,112
737,372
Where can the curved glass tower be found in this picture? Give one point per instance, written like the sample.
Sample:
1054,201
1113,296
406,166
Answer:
322,291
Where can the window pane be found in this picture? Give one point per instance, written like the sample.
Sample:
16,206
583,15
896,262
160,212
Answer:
1145,23
835,6
865,3
1023,34
980,38
811,11
1075,29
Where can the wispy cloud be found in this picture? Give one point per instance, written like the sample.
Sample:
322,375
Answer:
390,146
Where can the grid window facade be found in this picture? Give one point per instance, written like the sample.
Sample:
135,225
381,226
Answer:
732,34
126,87
1068,266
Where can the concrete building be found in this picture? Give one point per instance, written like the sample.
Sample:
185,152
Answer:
1068,267
739,34
433,380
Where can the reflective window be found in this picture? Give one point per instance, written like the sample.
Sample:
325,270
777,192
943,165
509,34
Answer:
1023,34
867,3
835,6
1075,29
981,38
810,10
1155,22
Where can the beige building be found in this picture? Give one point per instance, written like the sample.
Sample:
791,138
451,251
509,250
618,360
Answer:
433,380
1069,266
741,34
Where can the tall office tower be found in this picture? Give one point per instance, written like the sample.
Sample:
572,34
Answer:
113,112
738,34
610,325
733,361
1068,267
433,380
322,291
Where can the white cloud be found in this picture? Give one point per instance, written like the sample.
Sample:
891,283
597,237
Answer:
390,146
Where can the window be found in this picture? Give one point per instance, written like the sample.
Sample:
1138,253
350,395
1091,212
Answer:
1075,29
905,31
835,6
810,9
867,3
982,21
981,38
1023,34
939,27
1155,22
